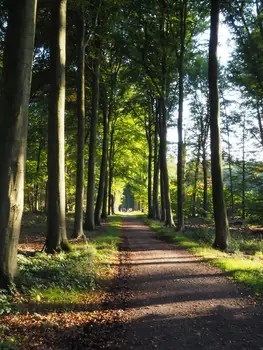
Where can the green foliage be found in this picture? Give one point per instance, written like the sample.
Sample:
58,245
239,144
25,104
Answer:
5,302
68,277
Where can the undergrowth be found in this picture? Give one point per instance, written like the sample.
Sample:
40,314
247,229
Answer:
66,278
242,260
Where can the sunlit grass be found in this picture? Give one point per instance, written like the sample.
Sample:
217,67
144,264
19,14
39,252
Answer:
69,277
243,268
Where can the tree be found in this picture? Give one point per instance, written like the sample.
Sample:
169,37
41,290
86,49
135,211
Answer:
14,99
222,236
56,220
79,197
104,158
89,218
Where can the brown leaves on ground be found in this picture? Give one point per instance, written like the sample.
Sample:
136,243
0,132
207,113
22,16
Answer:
67,330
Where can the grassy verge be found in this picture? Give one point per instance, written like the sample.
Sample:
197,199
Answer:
67,278
58,293
243,261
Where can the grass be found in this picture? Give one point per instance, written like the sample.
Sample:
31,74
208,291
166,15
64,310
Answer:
244,268
68,278
64,287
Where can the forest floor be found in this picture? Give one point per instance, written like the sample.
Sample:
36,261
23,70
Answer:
161,297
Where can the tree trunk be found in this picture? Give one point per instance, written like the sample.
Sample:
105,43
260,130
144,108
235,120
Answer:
180,175
110,181
89,220
56,214
14,101
196,178
163,163
78,219
163,212
36,186
205,198
156,214
104,159
243,173
222,236
150,209
105,197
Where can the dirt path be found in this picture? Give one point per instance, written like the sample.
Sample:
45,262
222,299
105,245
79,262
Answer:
175,301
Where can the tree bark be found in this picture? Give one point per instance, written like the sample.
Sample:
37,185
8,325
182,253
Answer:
163,212
78,219
36,186
156,213
222,236
196,177
105,197
56,214
103,166
180,167
163,163
111,166
150,150
14,99
205,197
89,220
243,172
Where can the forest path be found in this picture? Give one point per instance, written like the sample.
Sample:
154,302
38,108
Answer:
174,301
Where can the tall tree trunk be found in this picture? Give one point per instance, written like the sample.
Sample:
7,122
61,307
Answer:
56,214
112,204
105,197
243,172
180,175
222,236
103,166
111,160
163,121
205,197
156,214
163,163
163,212
89,220
150,209
78,219
36,185
14,101
230,167
196,177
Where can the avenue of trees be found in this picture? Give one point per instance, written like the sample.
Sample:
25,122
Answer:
89,90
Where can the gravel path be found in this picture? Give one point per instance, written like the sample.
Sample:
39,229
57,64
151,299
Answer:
174,301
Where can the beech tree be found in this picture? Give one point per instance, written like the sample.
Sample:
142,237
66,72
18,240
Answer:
221,222
14,100
56,214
